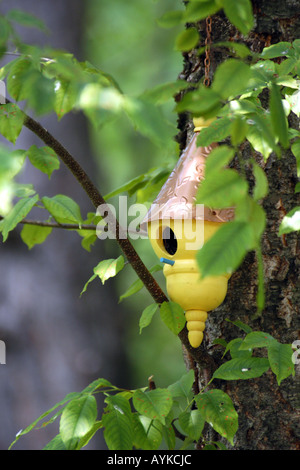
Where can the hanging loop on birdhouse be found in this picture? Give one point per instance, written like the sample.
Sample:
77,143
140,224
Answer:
207,51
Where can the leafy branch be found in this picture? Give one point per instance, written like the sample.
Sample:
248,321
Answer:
143,418
42,223
97,200
129,251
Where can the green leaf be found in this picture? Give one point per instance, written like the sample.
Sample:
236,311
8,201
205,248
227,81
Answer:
241,325
203,101
256,339
290,222
289,82
281,49
55,444
5,31
169,436
217,131
261,182
182,388
221,189
105,269
198,10
147,316
100,103
231,78
264,72
17,76
155,180
238,130
163,93
217,159
239,14
88,239
65,97
217,409
68,397
154,404
120,402
170,19
33,235
109,268
239,49
296,151
149,120
118,429
125,187
242,368
10,163
294,102
286,66
94,276
26,19
173,316
278,117
23,190
77,419
88,436
260,134
243,107
39,92
44,159
96,385
138,284
18,213
26,82
225,250
221,341
296,45
147,432
191,423
11,121
280,357
249,211
235,351
187,40
63,209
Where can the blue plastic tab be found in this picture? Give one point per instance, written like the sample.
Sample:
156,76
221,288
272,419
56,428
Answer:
167,261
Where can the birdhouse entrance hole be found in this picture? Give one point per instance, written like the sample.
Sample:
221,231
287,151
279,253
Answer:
169,241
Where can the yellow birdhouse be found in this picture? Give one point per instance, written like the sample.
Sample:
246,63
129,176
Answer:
178,228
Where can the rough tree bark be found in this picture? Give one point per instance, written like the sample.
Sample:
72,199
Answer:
268,414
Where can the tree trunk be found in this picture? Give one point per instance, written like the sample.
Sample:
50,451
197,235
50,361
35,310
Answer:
268,413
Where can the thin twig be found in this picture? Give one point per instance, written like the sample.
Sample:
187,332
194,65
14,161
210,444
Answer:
41,223
151,383
97,200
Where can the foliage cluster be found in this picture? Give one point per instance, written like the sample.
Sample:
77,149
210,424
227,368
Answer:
51,80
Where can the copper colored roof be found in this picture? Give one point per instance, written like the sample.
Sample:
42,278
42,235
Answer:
177,198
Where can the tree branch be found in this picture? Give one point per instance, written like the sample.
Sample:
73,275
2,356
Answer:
121,236
42,223
97,200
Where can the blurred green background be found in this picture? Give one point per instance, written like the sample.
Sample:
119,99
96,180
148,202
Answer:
124,39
